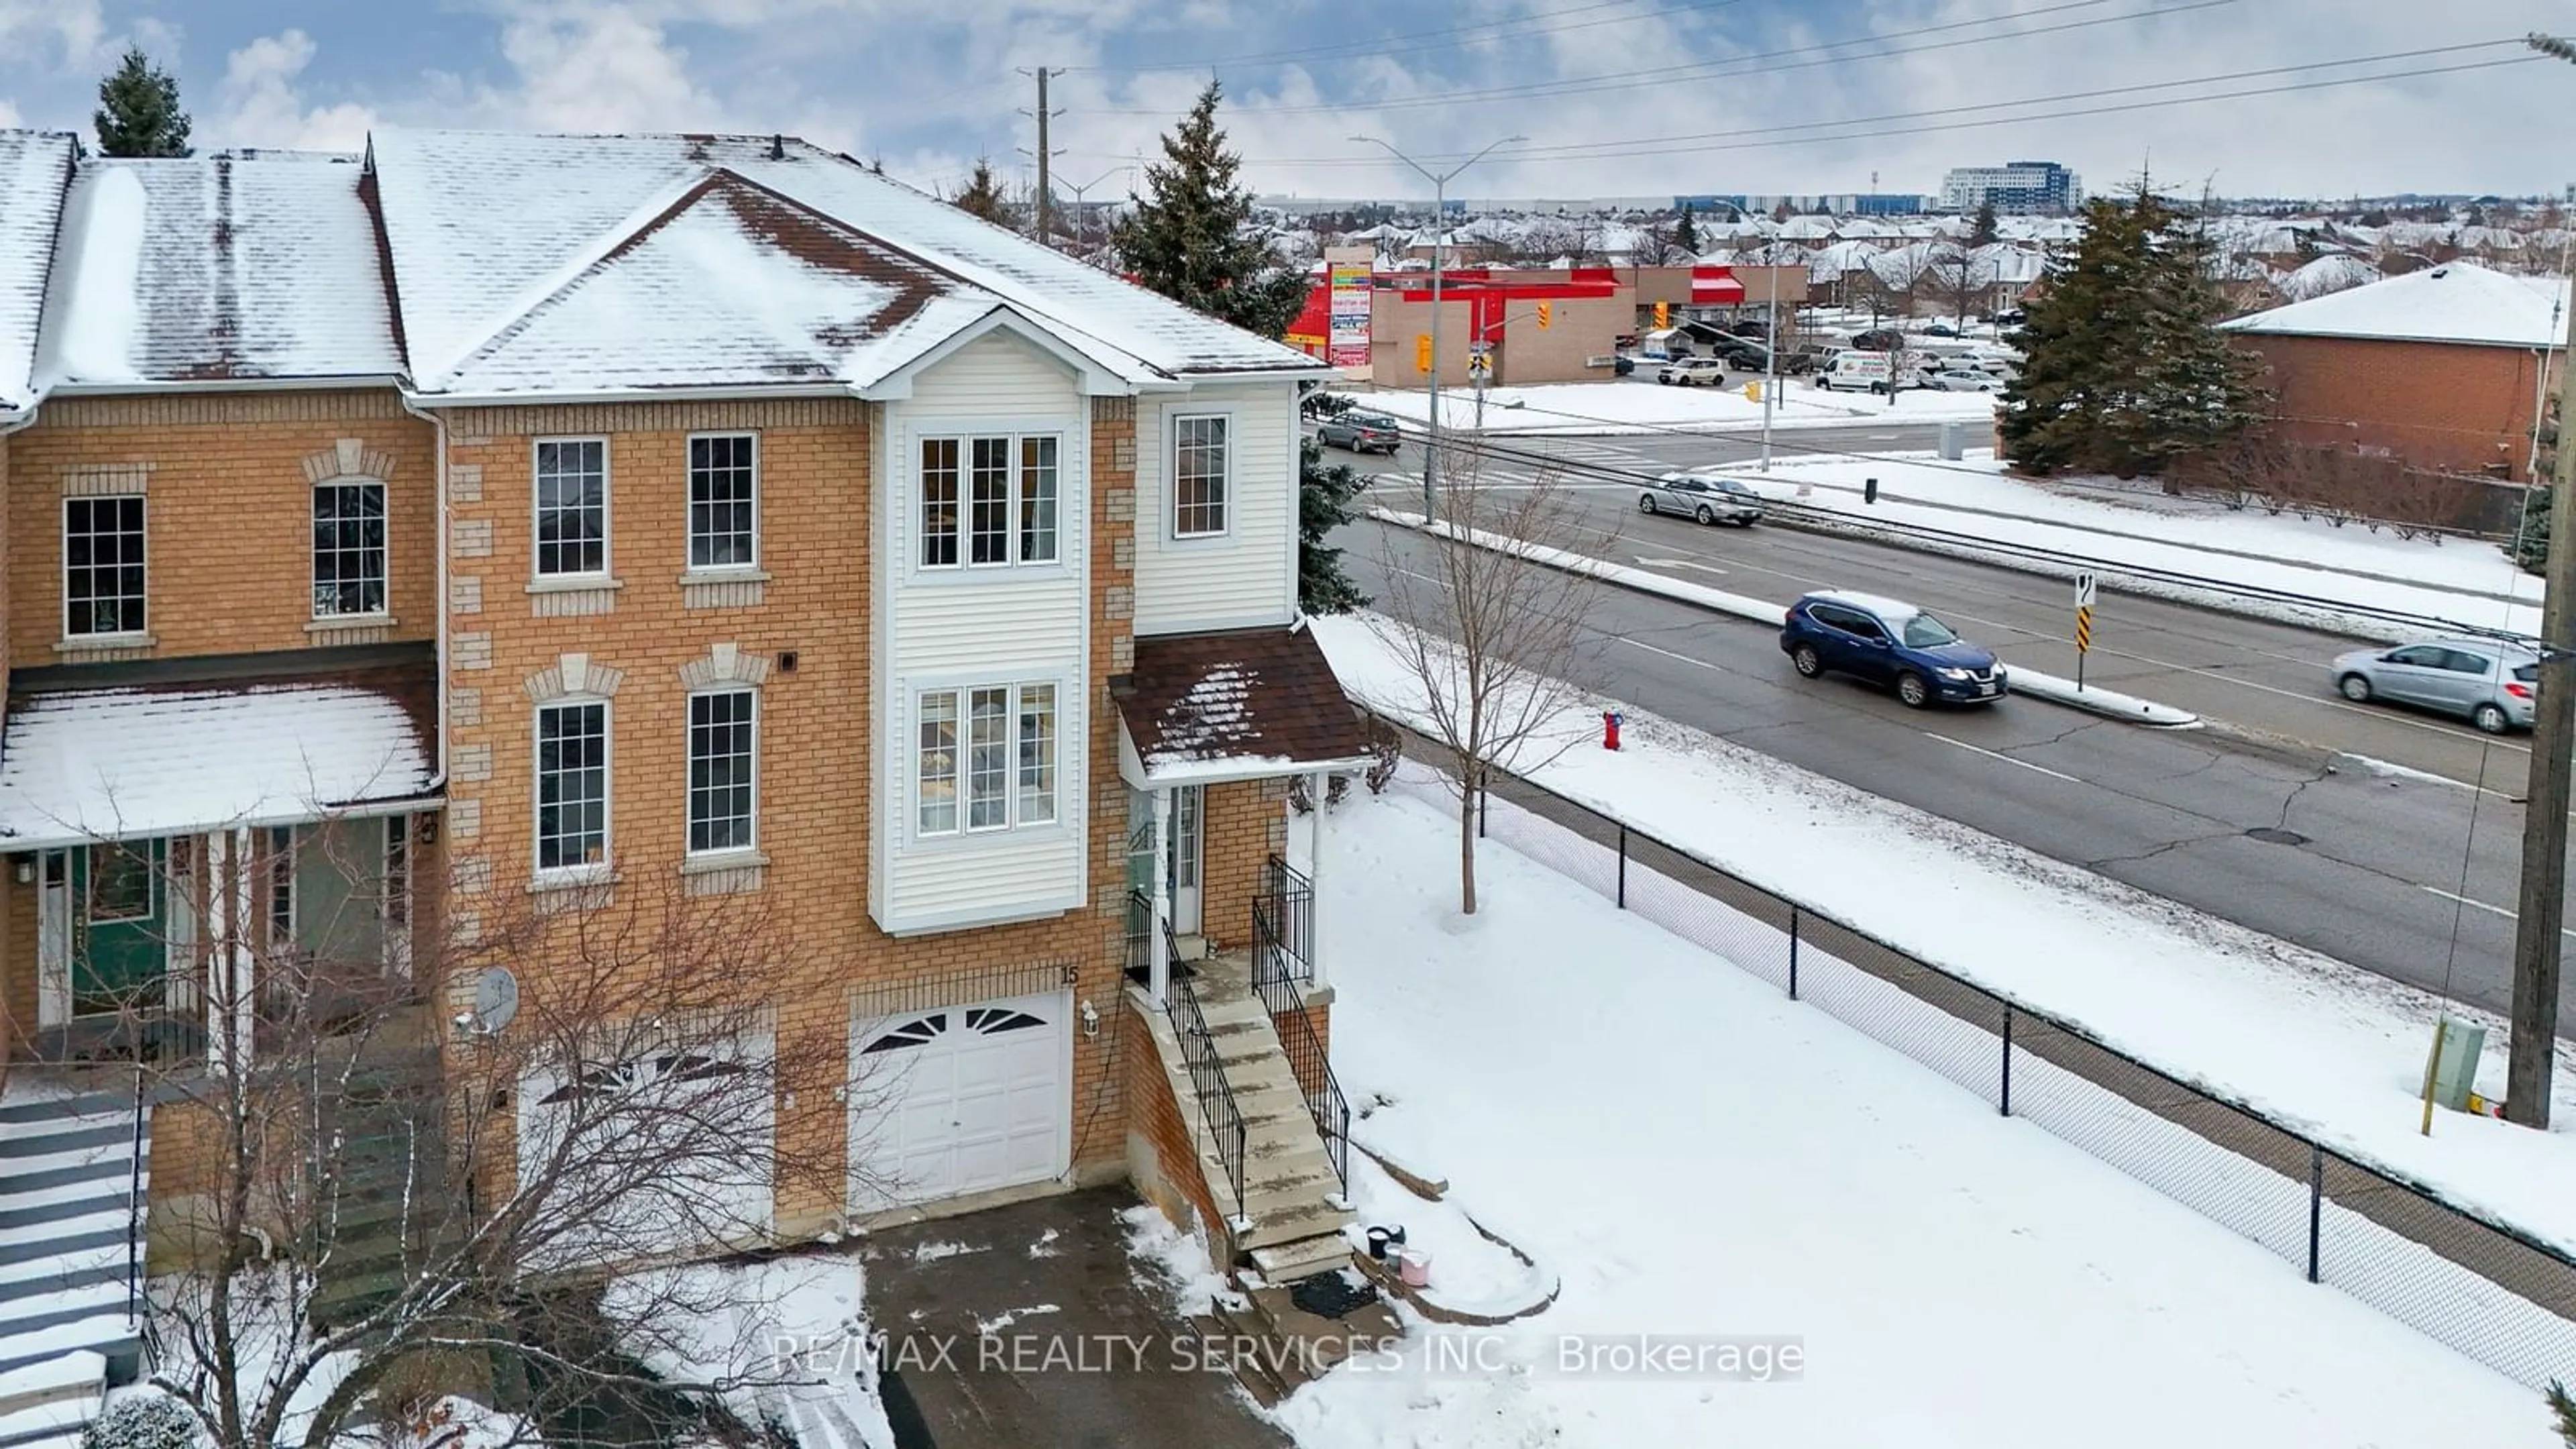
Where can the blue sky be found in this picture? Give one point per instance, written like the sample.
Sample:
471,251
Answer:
1735,95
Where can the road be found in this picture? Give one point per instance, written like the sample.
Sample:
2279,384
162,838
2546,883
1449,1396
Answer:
2376,868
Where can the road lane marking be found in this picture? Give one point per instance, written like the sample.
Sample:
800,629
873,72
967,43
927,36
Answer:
2483,906
1995,755
1667,653
1680,563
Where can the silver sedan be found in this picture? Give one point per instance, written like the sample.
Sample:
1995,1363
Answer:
2488,682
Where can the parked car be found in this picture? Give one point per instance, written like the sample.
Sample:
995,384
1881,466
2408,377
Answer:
1692,371
1884,339
1702,497
2488,682
1361,433
1750,327
2014,318
1886,641
1963,379
1622,366
1940,329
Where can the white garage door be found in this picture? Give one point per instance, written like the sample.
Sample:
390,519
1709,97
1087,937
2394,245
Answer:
961,1099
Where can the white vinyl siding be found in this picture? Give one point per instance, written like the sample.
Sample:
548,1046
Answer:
1245,576
966,845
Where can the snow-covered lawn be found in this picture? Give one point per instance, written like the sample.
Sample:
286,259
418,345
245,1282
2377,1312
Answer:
2252,549
1641,405
2308,1039
1695,1155
794,1326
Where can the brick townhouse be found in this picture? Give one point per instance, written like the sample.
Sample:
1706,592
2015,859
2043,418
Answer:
500,520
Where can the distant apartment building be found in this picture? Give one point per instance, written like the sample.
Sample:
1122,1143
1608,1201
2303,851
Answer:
1845,203
2017,188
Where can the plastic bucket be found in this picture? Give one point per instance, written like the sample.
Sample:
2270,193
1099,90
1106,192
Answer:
1415,1268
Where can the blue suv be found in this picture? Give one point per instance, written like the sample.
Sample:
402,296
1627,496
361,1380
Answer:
1890,643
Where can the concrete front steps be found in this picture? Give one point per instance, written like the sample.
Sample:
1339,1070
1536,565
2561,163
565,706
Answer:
71,1181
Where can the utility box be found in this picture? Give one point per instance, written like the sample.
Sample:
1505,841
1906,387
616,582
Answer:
1954,441
2455,1066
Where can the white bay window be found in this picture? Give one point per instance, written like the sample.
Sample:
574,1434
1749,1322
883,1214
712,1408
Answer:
985,758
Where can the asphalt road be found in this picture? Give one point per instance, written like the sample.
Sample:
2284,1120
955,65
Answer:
2380,870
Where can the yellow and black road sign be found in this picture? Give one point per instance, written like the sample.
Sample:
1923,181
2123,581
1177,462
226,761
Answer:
2083,629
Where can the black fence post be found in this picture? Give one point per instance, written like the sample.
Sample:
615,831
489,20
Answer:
2316,1206
1623,866
1793,951
2007,1092
1484,795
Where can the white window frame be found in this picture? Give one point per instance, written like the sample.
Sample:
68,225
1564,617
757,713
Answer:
960,694
385,550
63,543
607,513
1015,440
585,871
688,505
1232,501
688,780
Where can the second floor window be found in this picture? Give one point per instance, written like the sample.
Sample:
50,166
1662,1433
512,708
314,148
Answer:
572,507
989,501
348,549
103,565
1202,463
720,770
572,785
724,475
986,758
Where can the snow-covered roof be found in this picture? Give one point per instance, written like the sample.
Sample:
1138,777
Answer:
105,764
731,233
2333,272
220,268
35,170
1238,705
2458,302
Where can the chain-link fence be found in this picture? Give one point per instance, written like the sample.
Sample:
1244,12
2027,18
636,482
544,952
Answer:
2493,1293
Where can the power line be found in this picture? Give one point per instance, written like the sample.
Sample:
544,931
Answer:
1388,44
1625,149
1727,65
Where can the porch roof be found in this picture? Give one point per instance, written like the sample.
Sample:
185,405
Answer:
134,762
1242,704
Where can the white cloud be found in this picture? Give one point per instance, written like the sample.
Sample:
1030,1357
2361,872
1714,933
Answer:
261,106
71,31
601,68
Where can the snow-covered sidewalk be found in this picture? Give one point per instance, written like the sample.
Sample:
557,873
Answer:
1696,1157
1641,405
2308,1040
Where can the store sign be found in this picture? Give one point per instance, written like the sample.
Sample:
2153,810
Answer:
1349,346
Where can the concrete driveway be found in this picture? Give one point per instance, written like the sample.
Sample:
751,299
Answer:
1027,1325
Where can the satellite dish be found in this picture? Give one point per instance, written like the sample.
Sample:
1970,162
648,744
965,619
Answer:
496,999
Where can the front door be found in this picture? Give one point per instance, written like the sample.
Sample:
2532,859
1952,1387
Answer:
1183,860
120,925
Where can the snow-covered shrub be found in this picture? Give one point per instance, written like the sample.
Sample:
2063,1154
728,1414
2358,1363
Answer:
145,1421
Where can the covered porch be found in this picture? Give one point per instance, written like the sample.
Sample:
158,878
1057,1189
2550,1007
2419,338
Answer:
192,863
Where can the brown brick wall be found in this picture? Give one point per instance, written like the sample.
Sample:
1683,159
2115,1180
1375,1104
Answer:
228,517
2437,405
1244,826
1173,1179
816,800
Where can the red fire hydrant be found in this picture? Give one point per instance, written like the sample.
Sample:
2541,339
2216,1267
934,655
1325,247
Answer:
1609,729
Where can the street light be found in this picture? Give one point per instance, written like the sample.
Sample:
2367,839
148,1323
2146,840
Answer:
1440,224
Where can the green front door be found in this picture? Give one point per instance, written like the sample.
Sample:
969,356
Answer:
120,924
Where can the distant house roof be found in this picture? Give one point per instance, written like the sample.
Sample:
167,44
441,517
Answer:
35,171
1201,708
2457,302
217,269
611,263
188,756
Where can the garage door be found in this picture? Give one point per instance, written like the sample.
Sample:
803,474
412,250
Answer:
961,1099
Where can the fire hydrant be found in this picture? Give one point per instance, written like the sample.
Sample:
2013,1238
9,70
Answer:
1609,729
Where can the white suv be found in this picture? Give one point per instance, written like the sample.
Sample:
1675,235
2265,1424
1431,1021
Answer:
1687,371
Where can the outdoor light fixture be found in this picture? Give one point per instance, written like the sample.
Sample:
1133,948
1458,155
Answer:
1090,1020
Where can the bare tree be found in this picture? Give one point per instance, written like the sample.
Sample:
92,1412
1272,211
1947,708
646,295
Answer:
1963,278
1655,247
392,1199
1492,637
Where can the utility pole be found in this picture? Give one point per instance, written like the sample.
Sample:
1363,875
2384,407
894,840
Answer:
1045,231
2538,927
1439,237
1770,363
1081,214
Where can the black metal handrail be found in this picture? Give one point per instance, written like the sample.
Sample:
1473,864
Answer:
1225,1125
1292,898
1274,976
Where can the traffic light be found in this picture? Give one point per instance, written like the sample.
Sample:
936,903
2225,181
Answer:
1422,352
1663,314
1546,315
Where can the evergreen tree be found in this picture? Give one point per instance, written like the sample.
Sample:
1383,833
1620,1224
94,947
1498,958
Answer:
2530,547
138,110
2125,369
983,195
1981,232
1324,504
1686,232
1191,237
2563,1410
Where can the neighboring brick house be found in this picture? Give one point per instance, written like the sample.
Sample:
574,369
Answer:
2442,368
565,519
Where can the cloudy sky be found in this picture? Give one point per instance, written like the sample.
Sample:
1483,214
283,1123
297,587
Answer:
1616,97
